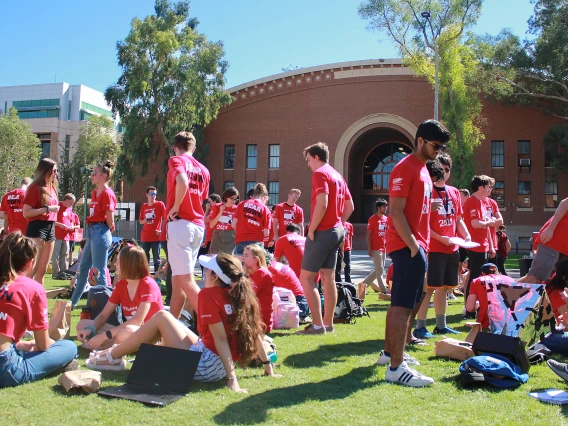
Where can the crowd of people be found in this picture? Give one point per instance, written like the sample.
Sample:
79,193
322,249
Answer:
245,249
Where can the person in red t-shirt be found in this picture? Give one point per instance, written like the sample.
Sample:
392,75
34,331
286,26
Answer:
12,208
23,306
376,247
64,228
287,213
478,220
221,222
100,226
503,248
229,325
291,246
151,215
444,256
344,254
41,205
188,186
552,246
493,212
138,296
331,205
256,268
252,221
76,223
408,239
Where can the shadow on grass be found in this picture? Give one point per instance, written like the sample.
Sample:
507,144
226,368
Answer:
326,354
254,409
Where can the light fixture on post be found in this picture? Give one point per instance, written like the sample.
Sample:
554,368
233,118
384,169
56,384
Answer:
426,15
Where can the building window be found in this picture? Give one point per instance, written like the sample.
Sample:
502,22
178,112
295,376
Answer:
274,156
524,194
524,152
497,154
549,154
67,149
96,109
498,193
551,194
45,149
249,186
229,156
228,184
273,188
251,156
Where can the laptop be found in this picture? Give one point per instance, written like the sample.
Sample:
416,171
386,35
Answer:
159,376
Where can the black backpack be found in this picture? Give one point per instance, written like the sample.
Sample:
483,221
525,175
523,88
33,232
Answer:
97,298
348,305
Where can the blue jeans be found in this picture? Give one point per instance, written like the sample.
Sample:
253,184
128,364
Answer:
19,367
155,247
95,253
557,342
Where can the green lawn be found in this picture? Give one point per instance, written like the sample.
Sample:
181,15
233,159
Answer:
327,379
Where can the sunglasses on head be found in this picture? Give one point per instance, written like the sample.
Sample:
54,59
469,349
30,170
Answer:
435,146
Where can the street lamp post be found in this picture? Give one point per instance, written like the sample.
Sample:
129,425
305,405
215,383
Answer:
427,16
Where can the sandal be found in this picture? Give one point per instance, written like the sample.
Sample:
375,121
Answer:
103,361
417,342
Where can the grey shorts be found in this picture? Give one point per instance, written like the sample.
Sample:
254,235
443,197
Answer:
544,262
321,253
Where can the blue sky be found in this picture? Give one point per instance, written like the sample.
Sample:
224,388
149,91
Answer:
74,40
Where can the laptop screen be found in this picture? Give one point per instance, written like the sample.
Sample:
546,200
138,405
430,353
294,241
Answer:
163,368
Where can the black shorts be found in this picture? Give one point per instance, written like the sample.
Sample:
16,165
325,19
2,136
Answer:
408,277
43,229
463,254
443,269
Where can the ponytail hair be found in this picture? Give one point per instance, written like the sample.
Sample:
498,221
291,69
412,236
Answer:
106,168
15,253
247,324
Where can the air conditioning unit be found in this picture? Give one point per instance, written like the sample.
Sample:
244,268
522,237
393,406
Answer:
525,162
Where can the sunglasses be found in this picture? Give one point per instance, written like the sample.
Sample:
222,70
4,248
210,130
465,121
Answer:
436,146
152,194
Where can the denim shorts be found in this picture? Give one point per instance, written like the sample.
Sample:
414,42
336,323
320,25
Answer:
240,247
408,277
42,229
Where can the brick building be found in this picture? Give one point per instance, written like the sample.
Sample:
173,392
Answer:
368,112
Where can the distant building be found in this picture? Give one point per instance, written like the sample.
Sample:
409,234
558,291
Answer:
56,111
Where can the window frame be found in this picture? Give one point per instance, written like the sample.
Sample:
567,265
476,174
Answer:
273,160
225,157
250,157
495,154
273,196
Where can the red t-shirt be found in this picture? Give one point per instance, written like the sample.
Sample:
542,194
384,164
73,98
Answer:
348,228
410,179
214,306
253,217
326,180
390,271
474,208
557,301
378,228
23,306
76,222
444,220
285,277
198,176
13,205
502,244
477,287
64,216
263,286
100,205
147,291
492,209
153,214
559,241
287,214
292,247
226,220
34,199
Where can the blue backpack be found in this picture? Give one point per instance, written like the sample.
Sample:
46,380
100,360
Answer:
494,369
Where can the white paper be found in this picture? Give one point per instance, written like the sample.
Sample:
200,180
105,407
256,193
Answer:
552,396
463,243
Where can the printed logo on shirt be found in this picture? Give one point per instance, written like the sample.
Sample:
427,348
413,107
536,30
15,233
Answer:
427,197
447,210
397,181
3,316
229,309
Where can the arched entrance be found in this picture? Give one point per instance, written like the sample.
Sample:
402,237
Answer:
372,157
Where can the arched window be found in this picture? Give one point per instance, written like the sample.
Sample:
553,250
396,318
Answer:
379,163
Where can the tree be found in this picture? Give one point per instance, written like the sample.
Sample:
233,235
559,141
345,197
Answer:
19,150
172,79
418,39
96,144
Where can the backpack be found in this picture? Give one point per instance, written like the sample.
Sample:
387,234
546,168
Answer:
494,369
286,312
348,305
97,299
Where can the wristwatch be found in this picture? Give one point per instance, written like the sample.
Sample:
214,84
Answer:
108,334
46,209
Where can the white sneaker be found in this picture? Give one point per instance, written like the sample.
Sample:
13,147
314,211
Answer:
385,359
406,376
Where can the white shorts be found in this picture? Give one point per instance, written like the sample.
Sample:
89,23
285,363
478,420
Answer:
210,367
184,240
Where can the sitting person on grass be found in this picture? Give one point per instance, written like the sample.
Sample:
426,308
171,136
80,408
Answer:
257,271
23,305
138,295
229,325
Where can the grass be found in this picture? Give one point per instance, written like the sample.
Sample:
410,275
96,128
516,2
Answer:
327,379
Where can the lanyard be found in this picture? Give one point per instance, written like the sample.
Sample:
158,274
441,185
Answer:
445,199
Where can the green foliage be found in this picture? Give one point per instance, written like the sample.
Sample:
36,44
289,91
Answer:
19,150
96,144
417,40
172,80
556,144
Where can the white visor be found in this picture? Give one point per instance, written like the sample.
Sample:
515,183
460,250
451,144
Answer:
210,262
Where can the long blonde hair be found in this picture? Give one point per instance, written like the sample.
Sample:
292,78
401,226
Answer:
257,252
44,168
